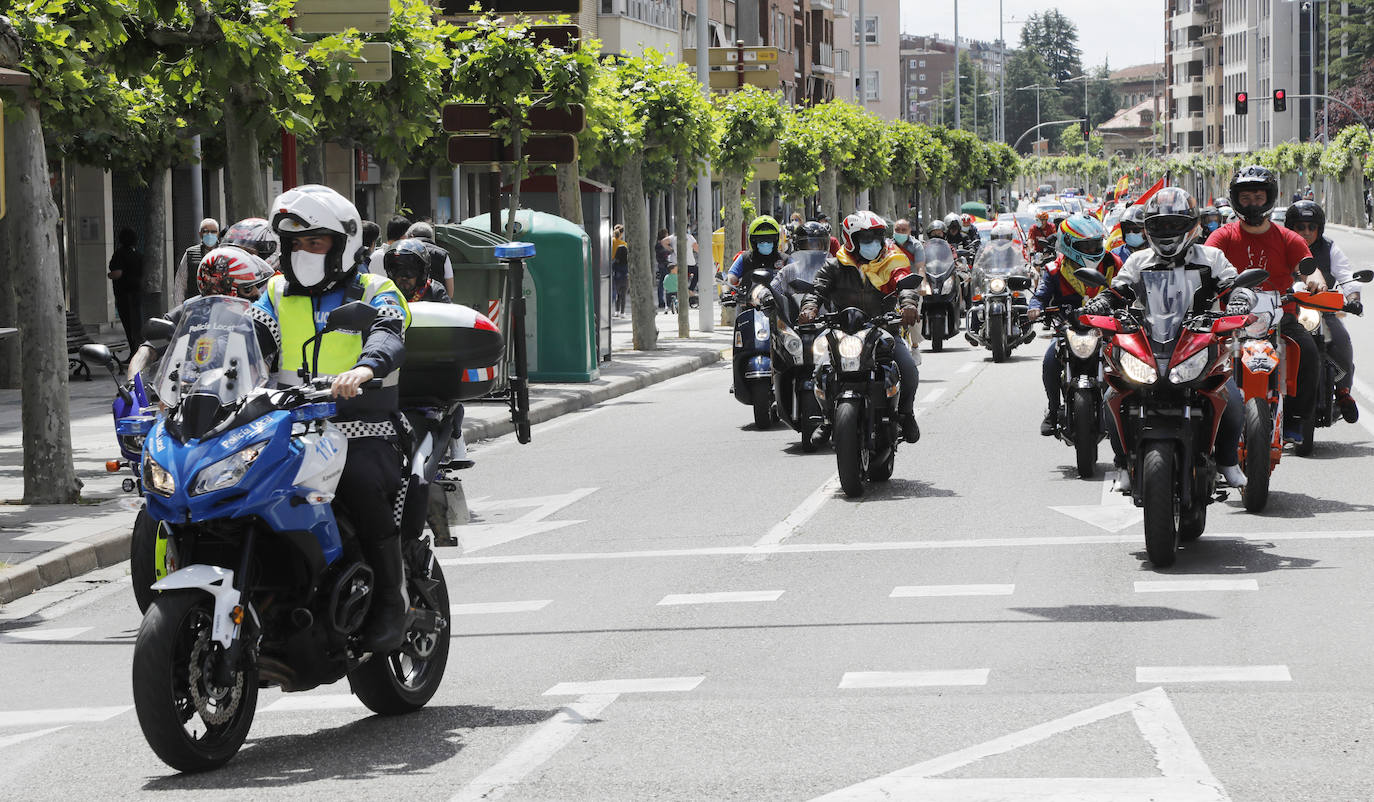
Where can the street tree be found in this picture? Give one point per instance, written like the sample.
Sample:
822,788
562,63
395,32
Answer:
750,120
1027,68
1054,37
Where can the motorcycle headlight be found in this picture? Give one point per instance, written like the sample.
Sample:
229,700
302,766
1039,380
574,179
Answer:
157,478
227,472
850,348
760,328
1083,344
948,286
997,285
1260,328
1310,319
1190,368
1137,370
820,350
791,342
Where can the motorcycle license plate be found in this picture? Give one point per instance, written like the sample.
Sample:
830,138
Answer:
1259,356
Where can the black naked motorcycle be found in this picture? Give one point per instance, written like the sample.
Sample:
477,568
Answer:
943,308
1079,349
794,370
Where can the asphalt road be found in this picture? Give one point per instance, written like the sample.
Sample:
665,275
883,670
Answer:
658,602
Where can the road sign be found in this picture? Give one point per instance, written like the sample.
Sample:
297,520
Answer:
460,8
373,63
538,148
477,117
721,56
333,16
766,170
730,79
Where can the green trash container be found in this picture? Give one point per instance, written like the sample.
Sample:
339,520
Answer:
560,299
480,281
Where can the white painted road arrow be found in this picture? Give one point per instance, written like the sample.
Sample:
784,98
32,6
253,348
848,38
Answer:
1185,776
474,537
1114,513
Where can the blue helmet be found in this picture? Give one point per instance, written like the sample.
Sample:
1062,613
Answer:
1081,240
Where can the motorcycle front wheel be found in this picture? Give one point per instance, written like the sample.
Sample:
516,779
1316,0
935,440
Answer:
763,410
1161,503
849,449
148,558
936,324
405,680
1085,433
189,721
997,338
1258,433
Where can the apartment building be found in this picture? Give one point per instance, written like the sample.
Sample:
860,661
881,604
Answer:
803,31
878,35
926,63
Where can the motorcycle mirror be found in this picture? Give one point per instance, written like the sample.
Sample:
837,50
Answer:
1307,266
761,276
1363,276
158,330
1251,278
909,282
99,354
800,286
1091,277
354,316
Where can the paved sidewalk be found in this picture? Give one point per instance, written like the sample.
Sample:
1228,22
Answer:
43,545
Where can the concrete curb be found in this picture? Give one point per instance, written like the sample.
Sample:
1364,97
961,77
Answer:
1351,229
112,546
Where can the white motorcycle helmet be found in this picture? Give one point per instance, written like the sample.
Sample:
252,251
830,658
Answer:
313,210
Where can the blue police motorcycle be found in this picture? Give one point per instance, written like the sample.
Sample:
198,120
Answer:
272,589
752,359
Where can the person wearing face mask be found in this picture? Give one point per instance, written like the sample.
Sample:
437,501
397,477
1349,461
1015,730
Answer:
184,278
1211,220
1132,232
321,256
764,253
407,265
911,246
863,274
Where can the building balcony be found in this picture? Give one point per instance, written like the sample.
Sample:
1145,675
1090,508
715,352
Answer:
841,9
823,58
1191,51
654,13
823,5
1188,19
842,62
1189,122
1193,87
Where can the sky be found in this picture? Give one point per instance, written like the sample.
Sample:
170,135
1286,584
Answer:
1123,32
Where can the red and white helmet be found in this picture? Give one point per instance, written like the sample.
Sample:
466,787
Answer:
230,270
966,220
857,222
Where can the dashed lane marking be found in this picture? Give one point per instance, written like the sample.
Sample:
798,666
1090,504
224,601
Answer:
491,608
926,591
1163,674
66,715
11,740
617,686
42,634
914,679
292,703
727,597
933,396
1191,585
797,518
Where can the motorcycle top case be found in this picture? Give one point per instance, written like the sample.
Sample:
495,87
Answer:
453,352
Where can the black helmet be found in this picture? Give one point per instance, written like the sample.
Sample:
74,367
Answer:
935,229
813,236
1253,177
1306,211
1171,222
1135,213
408,257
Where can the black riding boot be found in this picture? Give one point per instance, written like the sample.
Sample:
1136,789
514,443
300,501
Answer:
385,628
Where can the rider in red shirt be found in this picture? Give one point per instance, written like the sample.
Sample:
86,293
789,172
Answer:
1254,241
1039,232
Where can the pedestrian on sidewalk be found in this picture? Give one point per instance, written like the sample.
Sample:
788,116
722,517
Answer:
663,260
670,290
126,279
620,276
184,277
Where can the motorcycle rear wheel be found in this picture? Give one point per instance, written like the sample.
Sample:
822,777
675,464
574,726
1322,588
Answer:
1258,432
1309,437
763,410
880,467
997,338
936,323
1192,522
1084,434
1161,504
849,450
400,682
173,657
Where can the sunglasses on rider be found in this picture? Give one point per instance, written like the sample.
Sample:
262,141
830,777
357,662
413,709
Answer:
1305,227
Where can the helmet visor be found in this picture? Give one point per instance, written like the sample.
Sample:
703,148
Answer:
1169,225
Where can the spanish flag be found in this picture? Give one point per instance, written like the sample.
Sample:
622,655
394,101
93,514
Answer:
1122,185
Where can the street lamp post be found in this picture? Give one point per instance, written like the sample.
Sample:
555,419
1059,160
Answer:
956,66
1038,89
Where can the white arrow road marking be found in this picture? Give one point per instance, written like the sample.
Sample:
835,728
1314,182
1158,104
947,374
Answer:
1114,513
1189,585
11,740
1153,674
1368,393
293,703
535,750
724,597
53,633
1185,776
69,715
925,591
474,537
489,608
933,396
797,518
914,679
652,685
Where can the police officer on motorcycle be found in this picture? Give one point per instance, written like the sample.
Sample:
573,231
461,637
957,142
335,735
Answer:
863,274
322,250
764,252
1132,232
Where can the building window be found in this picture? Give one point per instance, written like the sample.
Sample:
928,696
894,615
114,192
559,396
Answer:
872,94
923,90
923,64
870,30
923,78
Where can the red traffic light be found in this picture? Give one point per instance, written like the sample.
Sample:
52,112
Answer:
1242,103
1241,97
1280,100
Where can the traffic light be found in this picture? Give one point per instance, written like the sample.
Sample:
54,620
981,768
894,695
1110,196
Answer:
1280,100
1242,103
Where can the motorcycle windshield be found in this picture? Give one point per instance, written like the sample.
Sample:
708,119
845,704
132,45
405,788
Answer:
1000,259
803,268
1167,296
939,259
214,352
1267,311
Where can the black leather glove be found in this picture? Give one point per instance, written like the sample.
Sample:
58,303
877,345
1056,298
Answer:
1238,305
1354,307
1097,306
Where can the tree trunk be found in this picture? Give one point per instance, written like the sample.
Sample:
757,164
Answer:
156,260
830,201
245,187
731,184
10,367
517,169
312,162
684,250
885,202
389,189
570,192
49,477
643,289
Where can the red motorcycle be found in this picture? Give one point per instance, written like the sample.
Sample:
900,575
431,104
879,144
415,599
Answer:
1166,370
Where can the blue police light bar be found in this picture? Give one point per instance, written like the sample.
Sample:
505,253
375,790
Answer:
515,250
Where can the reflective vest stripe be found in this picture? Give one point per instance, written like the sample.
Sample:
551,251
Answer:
339,351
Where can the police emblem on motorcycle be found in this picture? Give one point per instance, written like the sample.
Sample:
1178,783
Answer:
205,348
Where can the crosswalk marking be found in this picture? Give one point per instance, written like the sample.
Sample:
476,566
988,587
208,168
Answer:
728,597
1171,585
292,703
11,740
914,679
922,591
42,634
1161,674
68,715
655,685
490,608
